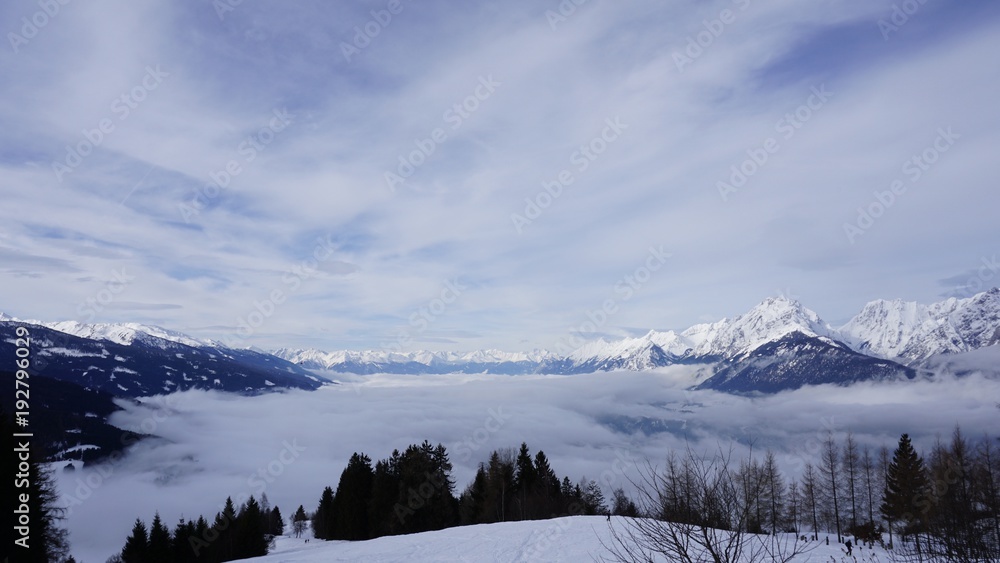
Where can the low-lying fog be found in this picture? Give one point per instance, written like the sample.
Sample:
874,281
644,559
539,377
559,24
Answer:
291,445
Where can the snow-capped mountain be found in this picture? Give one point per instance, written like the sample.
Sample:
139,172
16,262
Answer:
775,345
128,361
912,333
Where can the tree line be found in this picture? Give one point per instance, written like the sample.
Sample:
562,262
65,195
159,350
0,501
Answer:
413,491
233,534
946,508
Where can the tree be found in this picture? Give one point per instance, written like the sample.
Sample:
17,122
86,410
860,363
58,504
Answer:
352,499
774,492
525,482
324,520
869,482
849,465
250,536
593,498
906,484
621,505
159,542
718,511
810,496
830,470
276,523
47,540
299,521
137,544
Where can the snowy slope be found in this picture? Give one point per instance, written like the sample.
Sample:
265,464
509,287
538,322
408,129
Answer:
913,332
570,539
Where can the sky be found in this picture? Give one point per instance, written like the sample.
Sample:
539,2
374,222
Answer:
446,175
602,426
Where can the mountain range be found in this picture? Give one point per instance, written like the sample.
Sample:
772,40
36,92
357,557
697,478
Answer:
81,372
778,344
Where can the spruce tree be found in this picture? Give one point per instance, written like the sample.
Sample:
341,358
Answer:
159,542
137,544
277,523
299,520
352,500
324,520
906,483
250,540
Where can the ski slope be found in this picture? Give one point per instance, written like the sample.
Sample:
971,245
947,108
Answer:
575,539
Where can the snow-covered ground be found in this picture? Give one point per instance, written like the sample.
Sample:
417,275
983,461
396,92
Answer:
574,539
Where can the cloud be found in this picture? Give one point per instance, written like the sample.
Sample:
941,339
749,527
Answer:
214,445
190,172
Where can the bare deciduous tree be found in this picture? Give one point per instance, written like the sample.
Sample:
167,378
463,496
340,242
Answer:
698,509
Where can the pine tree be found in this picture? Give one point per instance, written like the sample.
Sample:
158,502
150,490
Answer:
525,479
593,498
352,499
180,547
250,540
137,544
277,523
324,519
47,540
621,505
906,483
159,542
224,547
299,520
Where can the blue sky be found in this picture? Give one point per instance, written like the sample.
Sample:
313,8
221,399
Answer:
308,240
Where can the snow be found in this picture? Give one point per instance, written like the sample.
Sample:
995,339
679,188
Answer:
570,539
915,332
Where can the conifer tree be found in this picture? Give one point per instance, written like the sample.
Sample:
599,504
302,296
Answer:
159,542
299,520
352,499
249,532
137,544
324,519
905,484
277,523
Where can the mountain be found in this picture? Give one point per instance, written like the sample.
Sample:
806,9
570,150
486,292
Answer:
126,361
913,333
778,344
75,423
797,359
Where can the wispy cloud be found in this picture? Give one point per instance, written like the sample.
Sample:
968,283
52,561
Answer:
170,102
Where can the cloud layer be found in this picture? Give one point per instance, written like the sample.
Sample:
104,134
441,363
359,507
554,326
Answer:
291,445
